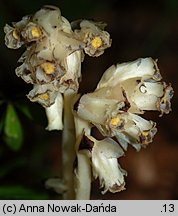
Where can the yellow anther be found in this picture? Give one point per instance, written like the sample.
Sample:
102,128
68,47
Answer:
145,133
164,100
44,96
36,32
15,34
96,42
115,121
48,67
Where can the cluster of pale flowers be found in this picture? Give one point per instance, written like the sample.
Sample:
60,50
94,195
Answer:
52,63
54,52
124,91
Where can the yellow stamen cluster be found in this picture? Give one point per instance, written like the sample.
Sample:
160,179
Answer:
36,32
48,68
145,133
115,121
96,42
15,34
44,96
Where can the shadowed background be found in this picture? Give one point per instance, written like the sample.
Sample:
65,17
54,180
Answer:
138,29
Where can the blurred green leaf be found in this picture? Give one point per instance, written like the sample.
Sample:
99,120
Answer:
20,192
13,134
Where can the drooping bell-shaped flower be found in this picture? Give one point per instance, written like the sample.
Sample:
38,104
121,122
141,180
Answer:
93,35
124,91
104,156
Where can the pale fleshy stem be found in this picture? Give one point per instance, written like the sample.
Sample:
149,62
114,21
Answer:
83,177
83,172
68,146
73,65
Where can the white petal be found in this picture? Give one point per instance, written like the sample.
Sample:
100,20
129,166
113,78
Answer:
141,122
164,105
109,148
54,114
105,165
47,18
141,130
143,67
132,129
96,40
147,95
44,94
122,139
93,109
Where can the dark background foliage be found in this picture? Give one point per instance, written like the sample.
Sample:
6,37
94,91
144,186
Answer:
29,154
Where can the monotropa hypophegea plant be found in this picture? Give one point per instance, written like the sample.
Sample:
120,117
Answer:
55,49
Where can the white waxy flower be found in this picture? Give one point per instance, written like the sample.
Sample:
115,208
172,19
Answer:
145,68
124,91
52,60
141,82
131,128
96,40
13,34
44,94
104,159
52,50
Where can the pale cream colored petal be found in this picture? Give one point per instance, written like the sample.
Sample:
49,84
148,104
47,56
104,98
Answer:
164,104
32,32
12,37
54,114
93,109
96,40
104,156
104,160
146,95
43,94
131,129
23,71
73,67
141,130
144,68
49,17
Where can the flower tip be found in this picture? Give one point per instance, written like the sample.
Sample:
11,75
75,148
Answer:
12,37
115,188
164,104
